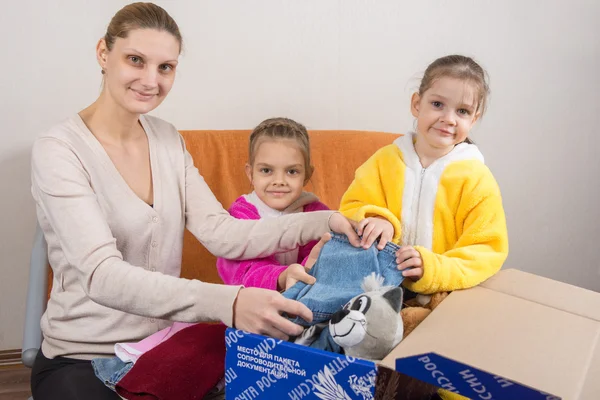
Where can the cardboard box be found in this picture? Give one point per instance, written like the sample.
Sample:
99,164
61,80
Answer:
526,328
535,337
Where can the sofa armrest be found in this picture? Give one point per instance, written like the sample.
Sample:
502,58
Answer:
37,291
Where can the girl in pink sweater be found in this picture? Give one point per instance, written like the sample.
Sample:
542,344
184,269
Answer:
278,168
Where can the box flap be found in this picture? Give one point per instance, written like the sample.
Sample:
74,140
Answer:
522,340
591,386
466,380
559,295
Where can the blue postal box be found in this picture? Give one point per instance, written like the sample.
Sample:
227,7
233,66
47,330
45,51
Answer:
258,367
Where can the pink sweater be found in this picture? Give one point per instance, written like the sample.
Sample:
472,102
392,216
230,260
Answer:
260,272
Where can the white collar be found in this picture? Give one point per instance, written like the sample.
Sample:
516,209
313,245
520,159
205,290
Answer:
462,151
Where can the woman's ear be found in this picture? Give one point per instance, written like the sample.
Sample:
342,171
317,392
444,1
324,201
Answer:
248,170
102,53
415,104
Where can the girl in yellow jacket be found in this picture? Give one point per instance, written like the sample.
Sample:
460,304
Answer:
430,190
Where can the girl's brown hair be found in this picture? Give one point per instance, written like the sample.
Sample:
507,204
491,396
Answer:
140,16
458,67
282,128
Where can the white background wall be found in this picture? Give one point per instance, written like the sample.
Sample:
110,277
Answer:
334,64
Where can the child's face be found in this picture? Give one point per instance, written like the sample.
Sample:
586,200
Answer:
278,172
445,113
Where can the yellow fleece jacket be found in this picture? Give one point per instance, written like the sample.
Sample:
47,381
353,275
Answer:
451,212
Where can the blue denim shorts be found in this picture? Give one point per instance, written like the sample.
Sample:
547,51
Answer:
340,270
110,370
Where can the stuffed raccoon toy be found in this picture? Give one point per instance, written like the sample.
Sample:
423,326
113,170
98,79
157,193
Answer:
369,326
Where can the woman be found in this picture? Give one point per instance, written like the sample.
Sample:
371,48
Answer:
114,190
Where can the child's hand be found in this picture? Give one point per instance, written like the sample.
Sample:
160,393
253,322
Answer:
293,274
373,227
409,257
313,256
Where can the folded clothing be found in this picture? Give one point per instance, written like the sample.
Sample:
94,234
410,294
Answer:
187,366
340,271
130,352
110,370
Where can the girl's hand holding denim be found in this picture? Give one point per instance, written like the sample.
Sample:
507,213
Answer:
410,262
313,256
372,228
292,274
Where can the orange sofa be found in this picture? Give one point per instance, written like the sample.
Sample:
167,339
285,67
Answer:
221,155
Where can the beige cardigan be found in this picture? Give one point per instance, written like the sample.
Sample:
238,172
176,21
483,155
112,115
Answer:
116,260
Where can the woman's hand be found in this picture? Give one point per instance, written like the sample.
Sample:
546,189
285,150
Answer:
410,262
340,224
374,227
293,274
259,311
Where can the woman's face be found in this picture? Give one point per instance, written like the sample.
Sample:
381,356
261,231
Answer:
140,69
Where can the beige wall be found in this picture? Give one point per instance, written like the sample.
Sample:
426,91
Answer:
335,64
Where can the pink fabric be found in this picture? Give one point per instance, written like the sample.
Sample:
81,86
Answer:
131,352
260,272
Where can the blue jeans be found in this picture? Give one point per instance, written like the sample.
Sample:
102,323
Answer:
340,270
318,337
110,370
